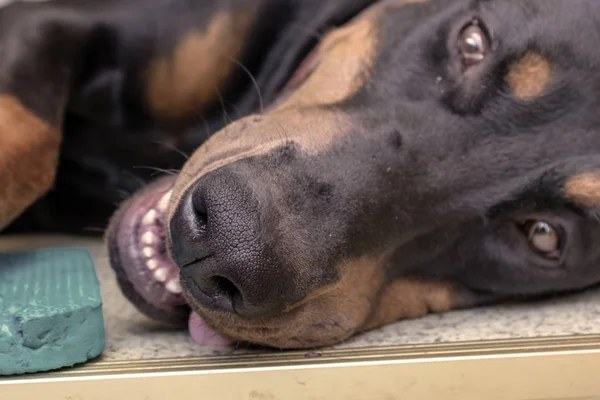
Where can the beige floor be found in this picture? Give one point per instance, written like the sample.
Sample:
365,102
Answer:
132,336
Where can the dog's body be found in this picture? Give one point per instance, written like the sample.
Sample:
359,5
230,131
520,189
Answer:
374,160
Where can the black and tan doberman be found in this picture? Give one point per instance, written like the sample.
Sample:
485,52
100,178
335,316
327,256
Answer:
353,162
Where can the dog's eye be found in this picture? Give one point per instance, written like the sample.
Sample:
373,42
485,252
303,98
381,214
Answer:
473,44
543,238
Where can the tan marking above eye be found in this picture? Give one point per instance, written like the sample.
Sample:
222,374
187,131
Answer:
584,189
180,84
529,76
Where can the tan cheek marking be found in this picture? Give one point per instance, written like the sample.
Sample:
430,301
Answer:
180,85
584,189
360,280
529,76
28,158
347,304
410,299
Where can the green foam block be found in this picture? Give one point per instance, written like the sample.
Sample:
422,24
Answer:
50,310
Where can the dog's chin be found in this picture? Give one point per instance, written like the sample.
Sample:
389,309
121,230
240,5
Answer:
286,331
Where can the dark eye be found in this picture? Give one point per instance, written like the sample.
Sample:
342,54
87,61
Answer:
543,238
473,44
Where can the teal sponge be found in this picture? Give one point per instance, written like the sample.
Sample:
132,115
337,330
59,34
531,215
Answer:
50,310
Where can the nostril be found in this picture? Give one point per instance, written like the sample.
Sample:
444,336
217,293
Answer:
219,285
227,288
188,229
223,292
200,211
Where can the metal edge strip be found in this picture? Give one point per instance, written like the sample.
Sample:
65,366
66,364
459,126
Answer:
556,368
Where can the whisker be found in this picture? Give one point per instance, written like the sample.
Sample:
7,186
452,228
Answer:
281,131
254,82
226,119
139,179
123,193
94,229
171,146
236,108
171,172
206,128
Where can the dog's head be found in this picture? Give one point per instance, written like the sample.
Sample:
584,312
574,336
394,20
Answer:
426,157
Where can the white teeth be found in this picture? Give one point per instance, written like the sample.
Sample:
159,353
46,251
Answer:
160,274
149,238
151,264
148,252
163,203
149,218
173,286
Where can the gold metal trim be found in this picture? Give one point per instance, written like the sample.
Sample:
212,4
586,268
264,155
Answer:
556,368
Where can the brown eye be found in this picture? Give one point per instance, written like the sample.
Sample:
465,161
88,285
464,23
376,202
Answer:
543,238
473,44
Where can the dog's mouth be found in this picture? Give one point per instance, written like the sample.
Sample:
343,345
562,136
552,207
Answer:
136,241
145,273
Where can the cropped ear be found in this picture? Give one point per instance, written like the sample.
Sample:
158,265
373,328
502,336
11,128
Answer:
40,48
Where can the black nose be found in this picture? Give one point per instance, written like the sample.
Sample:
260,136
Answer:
220,234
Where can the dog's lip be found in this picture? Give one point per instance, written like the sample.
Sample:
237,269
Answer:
156,294
269,332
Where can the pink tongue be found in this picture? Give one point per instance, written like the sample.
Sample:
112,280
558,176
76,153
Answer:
203,335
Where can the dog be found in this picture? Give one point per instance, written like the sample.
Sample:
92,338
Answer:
353,162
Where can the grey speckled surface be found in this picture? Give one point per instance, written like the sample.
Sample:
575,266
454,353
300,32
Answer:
132,336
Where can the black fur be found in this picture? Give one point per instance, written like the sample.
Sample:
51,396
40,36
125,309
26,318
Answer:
441,166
